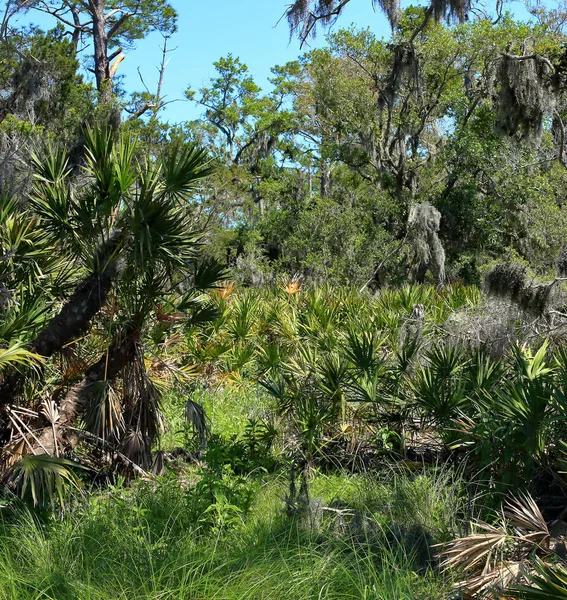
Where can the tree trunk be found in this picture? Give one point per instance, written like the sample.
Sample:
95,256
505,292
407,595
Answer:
75,315
325,179
120,353
100,43
72,320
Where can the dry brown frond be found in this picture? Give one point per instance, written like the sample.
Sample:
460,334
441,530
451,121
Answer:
482,555
51,413
102,410
13,452
524,513
488,585
158,465
198,421
135,448
74,368
293,287
165,317
467,552
225,289
172,340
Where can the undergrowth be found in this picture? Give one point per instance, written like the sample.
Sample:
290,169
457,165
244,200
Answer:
157,540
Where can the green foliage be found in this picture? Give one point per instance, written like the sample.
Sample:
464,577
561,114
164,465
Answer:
18,355
44,480
548,582
147,542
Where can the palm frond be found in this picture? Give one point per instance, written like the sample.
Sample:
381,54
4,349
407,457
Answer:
198,421
183,166
18,355
546,582
209,274
44,478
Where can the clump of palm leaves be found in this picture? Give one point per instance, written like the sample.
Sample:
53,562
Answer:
43,479
334,361
102,277
348,372
516,557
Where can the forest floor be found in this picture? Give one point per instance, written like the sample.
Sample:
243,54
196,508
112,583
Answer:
365,535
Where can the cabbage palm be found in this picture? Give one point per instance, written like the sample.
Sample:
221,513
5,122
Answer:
124,230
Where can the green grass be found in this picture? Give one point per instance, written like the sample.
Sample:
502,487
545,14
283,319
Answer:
228,410
159,540
148,542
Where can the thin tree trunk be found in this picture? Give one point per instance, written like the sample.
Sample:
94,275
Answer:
100,43
325,179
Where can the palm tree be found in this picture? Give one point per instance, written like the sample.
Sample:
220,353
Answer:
125,235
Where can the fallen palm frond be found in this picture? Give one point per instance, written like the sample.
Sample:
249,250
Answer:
524,514
475,550
51,413
494,558
487,584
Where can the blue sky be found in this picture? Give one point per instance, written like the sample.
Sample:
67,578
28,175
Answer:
248,29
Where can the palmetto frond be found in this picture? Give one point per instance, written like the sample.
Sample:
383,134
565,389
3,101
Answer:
524,514
484,555
18,355
361,349
198,421
25,313
546,582
102,414
183,166
44,478
51,199
210,275
532,366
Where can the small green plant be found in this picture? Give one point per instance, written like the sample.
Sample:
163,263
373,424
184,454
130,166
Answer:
43,480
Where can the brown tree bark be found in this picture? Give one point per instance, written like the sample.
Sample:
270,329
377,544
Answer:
100,43
71,321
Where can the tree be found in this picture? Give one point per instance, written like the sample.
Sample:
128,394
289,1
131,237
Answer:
245,130
395,112
304,15
111,26
126,245
43,93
